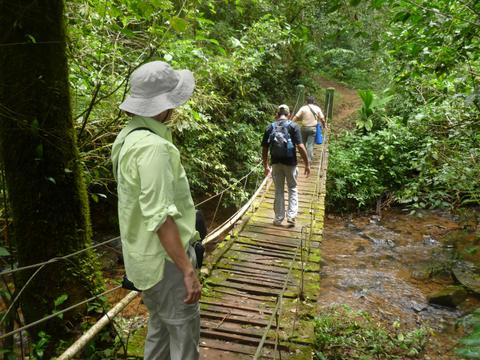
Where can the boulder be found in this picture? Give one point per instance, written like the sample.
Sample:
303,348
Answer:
467,275
451,296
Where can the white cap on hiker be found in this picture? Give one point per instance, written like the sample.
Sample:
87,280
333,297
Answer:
156,87
284,106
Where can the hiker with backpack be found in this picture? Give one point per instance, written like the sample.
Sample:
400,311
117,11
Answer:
310,115
282,138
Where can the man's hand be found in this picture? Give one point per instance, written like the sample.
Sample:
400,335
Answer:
324,123
172,243
307,170
267,170
193,287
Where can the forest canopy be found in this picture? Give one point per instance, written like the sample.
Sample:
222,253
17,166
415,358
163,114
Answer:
417,64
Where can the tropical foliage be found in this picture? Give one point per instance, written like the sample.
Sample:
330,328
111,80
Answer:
421,146
342,333
245,58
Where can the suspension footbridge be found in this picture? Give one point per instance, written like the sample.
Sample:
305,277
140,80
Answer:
263,279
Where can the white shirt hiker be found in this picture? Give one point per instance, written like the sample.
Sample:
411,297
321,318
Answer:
305,114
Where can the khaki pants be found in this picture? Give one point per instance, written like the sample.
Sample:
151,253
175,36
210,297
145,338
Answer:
280,174
173,326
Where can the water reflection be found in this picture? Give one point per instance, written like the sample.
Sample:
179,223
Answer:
390,267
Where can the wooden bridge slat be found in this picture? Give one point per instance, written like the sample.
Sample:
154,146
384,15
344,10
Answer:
252,290
256,275
265,246
205,301
244,247
212,348
263,299
272,239
258,280
231,318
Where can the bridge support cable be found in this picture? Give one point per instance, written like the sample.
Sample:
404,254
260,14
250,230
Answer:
278,305
60,258
232,220
55,314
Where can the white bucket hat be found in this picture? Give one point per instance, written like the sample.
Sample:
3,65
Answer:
156,87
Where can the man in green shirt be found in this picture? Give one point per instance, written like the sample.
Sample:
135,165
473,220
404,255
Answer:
156,211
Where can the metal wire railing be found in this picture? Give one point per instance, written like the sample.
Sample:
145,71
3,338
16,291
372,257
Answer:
55,314
60,258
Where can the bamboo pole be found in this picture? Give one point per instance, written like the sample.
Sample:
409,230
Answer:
95,329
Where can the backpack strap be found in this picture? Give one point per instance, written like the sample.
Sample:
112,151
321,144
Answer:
286,122
139,128
315,115
131,131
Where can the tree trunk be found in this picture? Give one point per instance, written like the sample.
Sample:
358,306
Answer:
47,194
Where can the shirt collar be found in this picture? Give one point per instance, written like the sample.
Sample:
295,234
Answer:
136,121
157,127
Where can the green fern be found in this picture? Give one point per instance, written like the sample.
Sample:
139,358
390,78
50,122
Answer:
470,344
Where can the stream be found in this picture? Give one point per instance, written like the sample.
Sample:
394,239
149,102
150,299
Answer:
397,268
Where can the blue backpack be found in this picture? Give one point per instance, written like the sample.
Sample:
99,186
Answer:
280,141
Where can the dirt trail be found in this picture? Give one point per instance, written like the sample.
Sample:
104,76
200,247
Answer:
346,104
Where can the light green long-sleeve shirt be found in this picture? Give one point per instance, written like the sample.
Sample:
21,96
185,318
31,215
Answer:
151,185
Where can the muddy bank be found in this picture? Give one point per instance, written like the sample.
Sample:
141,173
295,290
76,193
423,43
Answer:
396,267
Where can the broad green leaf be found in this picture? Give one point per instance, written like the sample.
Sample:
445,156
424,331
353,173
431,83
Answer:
31,38
35,126
39,152
471,340
235,42
60,300
469,353
158,3
333,6
178,24
4,252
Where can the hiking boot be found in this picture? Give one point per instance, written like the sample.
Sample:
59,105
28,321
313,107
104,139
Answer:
291,221
277,222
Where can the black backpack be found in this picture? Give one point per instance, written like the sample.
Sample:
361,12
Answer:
280,141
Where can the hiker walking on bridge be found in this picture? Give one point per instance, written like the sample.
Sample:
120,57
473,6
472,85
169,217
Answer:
310,114
156,212
282,138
